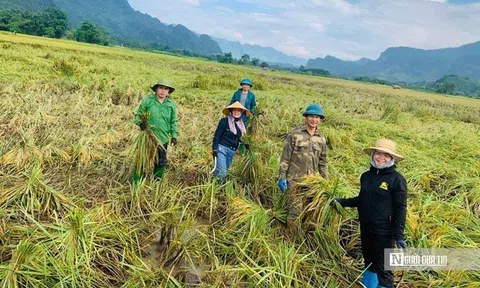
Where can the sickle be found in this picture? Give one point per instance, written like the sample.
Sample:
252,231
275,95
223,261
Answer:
215,165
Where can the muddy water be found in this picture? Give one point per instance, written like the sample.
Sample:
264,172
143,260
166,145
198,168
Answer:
188,269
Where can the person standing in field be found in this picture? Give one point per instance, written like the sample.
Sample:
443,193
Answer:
227,137
382,206
304,153
163,121
246,98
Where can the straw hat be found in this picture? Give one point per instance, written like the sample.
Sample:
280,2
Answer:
236,105
386,146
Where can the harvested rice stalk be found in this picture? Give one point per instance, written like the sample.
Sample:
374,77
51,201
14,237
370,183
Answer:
322,214
146,145
252,166
320,207
248,217
254,122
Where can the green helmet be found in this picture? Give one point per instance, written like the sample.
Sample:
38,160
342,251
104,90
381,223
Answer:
314,109
246,81
164,83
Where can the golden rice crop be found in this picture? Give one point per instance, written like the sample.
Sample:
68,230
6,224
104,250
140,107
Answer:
70,217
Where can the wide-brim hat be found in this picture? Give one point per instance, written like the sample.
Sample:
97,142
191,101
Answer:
246,81
236,105
314,109
163,83
385,146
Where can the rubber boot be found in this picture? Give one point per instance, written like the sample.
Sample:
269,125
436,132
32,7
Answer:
137,177
385,286
370,279
158,172
241,149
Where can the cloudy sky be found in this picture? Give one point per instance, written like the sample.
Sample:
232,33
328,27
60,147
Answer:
348,29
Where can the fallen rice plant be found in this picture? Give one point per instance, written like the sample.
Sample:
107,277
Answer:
34,195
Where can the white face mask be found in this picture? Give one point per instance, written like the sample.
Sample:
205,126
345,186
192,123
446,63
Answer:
382,166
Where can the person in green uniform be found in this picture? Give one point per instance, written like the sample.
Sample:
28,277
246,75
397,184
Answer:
163,121
304,153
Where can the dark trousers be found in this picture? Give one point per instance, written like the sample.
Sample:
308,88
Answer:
374,241
162,156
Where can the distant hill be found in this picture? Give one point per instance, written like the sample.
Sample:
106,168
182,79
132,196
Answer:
267,54
31,5
408,64
124,23
455,85
340,67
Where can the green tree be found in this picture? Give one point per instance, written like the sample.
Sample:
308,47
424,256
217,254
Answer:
32,24
55,22
446,88
255,61
225,58
244,60
52,22
91,33
264,65
10,19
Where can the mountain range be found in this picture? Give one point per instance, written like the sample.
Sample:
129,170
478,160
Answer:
125,24
267,54
405,64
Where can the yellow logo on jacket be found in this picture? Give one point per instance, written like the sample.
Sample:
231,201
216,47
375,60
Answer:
384,186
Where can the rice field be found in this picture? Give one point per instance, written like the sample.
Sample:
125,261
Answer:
70,216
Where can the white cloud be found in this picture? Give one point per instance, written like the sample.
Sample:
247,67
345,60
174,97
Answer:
262,17
316,28
298,51
338,5
319,27
192,2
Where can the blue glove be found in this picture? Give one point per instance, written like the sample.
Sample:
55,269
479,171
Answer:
401,244
282,185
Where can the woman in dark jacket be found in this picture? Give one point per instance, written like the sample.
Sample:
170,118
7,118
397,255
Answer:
381,205
227,138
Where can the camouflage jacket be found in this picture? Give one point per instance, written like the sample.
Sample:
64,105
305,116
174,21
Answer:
303,155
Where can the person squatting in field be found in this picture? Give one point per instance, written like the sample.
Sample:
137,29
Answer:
381,205
304,153
163,121
227,138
